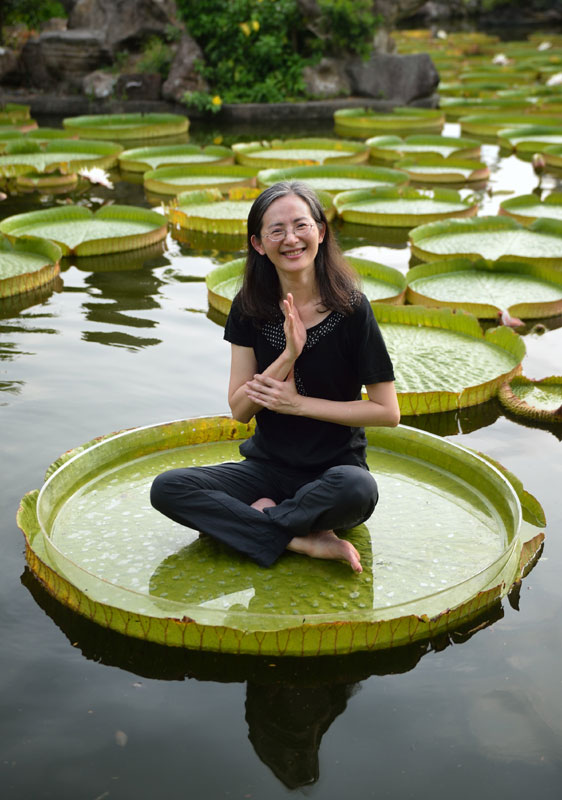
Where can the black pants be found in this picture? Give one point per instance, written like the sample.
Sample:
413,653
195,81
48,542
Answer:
216,500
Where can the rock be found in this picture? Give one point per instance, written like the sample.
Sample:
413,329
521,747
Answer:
32,66
327,79
400,78
70,55
53,24
138,86
183,77
8,62
99,84
125,22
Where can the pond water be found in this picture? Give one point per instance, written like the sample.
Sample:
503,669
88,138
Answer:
87,713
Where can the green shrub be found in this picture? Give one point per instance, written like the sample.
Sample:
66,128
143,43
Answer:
30,12
156,57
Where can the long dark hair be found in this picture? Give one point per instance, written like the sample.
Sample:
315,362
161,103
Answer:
261,291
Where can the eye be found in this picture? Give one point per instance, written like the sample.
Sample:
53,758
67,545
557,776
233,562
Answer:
303,227
277,233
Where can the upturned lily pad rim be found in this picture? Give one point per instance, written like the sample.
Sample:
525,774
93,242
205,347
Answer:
159,180
267,177
509,399
348,205
127,126
170,623
86,247
131,160
484,310
514,206
342,151
525,133
28,281
451,165
487,223
388,147
75,153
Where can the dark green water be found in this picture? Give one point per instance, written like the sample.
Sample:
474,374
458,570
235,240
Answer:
90,714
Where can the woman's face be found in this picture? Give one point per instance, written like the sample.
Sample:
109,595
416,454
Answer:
296,250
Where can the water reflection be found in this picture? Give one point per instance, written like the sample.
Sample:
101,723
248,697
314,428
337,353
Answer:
290,702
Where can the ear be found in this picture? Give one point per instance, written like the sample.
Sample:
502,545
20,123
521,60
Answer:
257,245
321,232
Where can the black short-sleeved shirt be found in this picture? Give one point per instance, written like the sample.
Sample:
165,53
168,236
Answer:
341,354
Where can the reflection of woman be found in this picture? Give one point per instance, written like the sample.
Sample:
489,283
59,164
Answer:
304,341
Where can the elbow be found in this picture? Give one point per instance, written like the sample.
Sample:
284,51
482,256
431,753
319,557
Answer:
394,419
240,416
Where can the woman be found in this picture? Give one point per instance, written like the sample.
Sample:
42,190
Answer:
304,341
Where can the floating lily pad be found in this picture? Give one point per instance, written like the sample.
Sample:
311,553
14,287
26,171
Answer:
210,212
280,153
333,178
488,125
457,107
393,148
529,137
379,283
21,157
486,289
492,238
175,180
118,127
534,399
27,265
106,554
437,169
403,207
528,207
80,231
50,181
442,359
141,159
365,122
553,155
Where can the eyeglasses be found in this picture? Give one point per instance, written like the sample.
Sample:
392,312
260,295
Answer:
302,229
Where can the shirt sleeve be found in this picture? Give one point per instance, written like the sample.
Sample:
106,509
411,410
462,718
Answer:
238,329
373,361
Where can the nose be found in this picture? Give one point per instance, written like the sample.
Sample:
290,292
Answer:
290,235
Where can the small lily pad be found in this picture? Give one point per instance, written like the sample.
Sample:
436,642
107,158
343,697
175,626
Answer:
27,265
528,207
21,157
529,138
142,159
334,178
175,180
210,212
437,169
126,126
535,399
364,122
393,148
280,153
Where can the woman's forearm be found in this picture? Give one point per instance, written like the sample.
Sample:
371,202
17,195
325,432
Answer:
355,413
242,408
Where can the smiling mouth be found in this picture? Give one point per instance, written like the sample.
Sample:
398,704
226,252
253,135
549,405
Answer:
296,252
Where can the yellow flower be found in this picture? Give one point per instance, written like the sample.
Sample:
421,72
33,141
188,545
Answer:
217,100
255,25
218,140
245,28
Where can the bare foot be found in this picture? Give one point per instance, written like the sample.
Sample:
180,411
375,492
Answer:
325,544
263,502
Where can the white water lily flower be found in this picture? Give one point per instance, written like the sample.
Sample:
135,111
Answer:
544,46
96,175
441,34
555,80
172,246
501,59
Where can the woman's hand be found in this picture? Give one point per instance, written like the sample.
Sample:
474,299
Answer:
295,332
276,395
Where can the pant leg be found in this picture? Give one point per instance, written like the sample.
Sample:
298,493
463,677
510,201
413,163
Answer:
216,500
341,497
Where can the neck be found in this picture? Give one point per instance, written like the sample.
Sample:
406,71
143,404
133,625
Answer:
302,286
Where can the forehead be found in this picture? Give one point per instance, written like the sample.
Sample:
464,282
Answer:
286,209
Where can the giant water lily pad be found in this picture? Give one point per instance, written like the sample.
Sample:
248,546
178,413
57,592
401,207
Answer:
429,168
488,125
442,359
552,155
284,152
403,207
175,180
119,127
393,148
379,282
24,156
534,399
492,238
528,207
27,265
487,288
141,159
365,122
96,544
210,212
334,178
529,138
78,230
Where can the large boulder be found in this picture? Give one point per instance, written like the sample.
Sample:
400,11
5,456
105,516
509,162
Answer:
183,76
326,79
125,22
403,79
70,55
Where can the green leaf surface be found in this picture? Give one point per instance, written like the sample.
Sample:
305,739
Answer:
486,289
527,208
65,155
281,153
175,180
491,238
392,148
93,539
402,207
27,265
535,399
126,126
333,178
366,122
78,230
142,159
429,168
